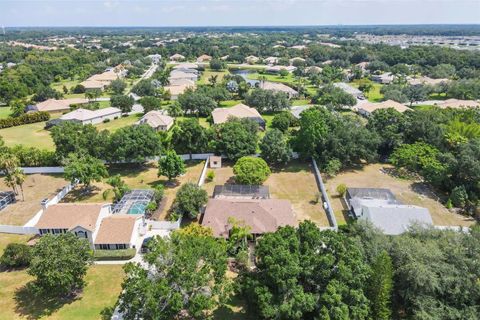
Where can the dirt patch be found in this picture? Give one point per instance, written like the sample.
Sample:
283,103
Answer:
406,190
35,188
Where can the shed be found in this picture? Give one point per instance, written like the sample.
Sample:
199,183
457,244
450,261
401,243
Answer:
215,162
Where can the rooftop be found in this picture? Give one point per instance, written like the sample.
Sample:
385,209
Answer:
116,229
221,115
69,216
243,191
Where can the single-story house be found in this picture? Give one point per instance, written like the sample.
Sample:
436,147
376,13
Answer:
455,103
186,65
118,231
252,59
93,85
83,220
271,60
278,87
261,215
157,120
54,105
384,78
181,82
427,81
277,69
362,65
299,47
177,57
182,75
204,58
350,90
156,58
300,59
85,116
366,108
175,90
384,211
296,111
313,70
221,115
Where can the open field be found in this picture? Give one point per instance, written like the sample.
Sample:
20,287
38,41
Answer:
30,135
5,112
373,95
204,79
121,122
103,285
407,191
140,177
295,182
36,188
289,79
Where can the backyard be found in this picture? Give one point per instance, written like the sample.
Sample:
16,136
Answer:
205,78
36,188
294,182
30,135
407,191
140,177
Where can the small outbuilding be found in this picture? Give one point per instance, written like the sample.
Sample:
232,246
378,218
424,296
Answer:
215,162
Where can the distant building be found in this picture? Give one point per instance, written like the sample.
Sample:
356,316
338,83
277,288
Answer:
271,60
176,90
455,103
427,81
384,78
221,115
277,69
278,87
177,57
204,58
384,211
296,111
350,90
85,116
366,108
54,105
252,59
157,120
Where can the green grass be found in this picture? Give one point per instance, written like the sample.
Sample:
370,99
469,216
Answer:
289,79
5,112
202,120
229,103
373,95
204,79
30,135
300,102
121,122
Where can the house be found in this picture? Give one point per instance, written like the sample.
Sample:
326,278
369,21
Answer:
83,220
298,59
221,115
102,80
455,103
296,111
299,47
384,78
177,74
93,85
271,60
118,231
177,57
156,58
366,108
175,90
260,215
384,211
350,90
157,120
85,116
204,58
185,65
277,69
224,58
182,82
252,59
427,81
54,105
362,65
278,87
313,70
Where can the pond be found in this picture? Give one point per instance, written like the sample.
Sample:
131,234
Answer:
244,73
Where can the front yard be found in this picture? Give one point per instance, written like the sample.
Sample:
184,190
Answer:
407,191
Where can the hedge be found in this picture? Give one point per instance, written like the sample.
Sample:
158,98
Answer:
24,119
123,254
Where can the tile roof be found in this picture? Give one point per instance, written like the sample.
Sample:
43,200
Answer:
262,215
221,115
372,106
455,103
156,119
58,105
116,229
69,216
85,114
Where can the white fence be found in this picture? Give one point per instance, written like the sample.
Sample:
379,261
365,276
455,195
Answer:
165,225
32,170
201,181
18,229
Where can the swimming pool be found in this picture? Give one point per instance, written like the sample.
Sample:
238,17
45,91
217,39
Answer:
137,208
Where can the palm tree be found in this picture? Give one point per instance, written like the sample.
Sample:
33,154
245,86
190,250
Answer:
19,178
10,182
213,79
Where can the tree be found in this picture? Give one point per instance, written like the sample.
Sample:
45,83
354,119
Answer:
85,169
189,200
380,287
330,95
59,263
118,86
196,103
124,103
341,189
171,165
333,167
16,255
119,187
190,137
70,137
144,88
283,121
93,94
416,93
17,108
237,138
288,284
9,164
185,278
217,64
18,177
275,148
150,103
442,70
134,143
390,125
44,93
459,197
417,157
251,170
267,100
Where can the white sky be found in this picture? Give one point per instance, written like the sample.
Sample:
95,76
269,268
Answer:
235,12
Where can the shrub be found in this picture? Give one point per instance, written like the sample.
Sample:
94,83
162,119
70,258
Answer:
16,255
251,170
151,206
123,254
106,120
210,175
159,192
24,119
459,197
342,189
333,167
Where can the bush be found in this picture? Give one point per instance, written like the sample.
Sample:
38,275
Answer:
251,170
123,254
333,167
159,192
24,119
106,120
16,255
33,157
459,197
210,175
341,189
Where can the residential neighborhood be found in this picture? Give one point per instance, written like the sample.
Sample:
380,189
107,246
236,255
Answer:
160,169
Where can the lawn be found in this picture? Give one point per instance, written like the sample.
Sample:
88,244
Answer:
5,112
229,103
140,177
204,79
295,182
202,120
30,135
121,122
289,79
103,285
373,95
36,187
408,191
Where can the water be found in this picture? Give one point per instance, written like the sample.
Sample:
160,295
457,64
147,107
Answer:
137,208
243,73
